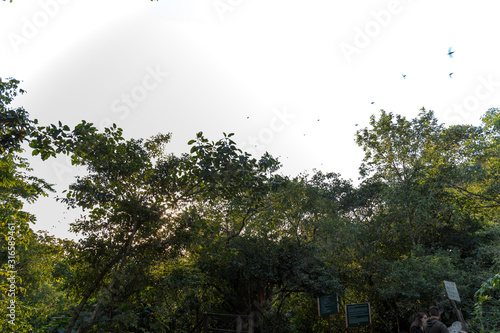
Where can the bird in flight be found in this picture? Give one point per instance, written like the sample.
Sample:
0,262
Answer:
450,52
404,76
450,74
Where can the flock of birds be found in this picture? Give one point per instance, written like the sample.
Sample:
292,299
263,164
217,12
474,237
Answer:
450,54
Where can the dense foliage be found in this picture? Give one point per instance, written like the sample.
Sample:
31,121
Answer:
166,239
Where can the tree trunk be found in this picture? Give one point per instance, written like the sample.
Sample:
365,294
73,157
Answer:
98,281
410,227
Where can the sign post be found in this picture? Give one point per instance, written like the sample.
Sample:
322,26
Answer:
328,305
454,297
452,291
358,315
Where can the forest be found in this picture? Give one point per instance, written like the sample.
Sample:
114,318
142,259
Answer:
167,238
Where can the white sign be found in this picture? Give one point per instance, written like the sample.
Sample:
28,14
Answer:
456,327
451,290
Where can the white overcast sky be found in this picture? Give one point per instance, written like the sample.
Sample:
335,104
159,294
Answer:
289,77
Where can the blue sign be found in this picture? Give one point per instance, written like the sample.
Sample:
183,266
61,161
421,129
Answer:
358,315
328,305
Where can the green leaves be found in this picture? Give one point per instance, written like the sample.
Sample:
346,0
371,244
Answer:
156,145
166,238
487,306
223,170
15,125
395,147
132,189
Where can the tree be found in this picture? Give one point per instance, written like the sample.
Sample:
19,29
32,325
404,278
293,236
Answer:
274,258
17,186
487,306
165,238
480,172
134,194
418,215
395,152
417,160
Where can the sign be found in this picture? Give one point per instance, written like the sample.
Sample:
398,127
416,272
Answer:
451,290
358,315
328,305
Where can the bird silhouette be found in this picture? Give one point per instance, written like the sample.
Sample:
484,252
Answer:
450,74
450,52
404,76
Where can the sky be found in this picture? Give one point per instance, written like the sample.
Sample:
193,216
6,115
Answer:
294,78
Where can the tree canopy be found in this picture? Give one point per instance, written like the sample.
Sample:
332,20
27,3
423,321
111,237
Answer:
165,238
